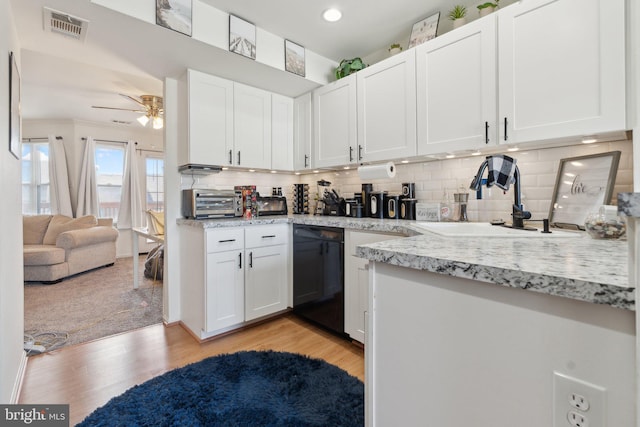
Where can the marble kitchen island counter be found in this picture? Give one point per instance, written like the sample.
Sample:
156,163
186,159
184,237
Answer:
580,268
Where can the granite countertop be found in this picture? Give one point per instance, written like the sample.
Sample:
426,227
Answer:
580,268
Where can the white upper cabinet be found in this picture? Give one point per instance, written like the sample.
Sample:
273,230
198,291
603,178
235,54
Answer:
334,112
210,119
386,94
561,68
281,132
456,86
302,132
252,127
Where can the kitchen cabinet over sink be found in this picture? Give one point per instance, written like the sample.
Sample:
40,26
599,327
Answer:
456,86
561,66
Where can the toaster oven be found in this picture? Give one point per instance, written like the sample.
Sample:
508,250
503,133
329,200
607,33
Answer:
204,204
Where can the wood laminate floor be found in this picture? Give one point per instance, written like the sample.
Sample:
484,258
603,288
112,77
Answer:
87,375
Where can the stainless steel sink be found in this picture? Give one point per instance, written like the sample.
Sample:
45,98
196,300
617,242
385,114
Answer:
483,229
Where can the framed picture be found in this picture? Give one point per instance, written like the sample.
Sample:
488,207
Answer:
174,15
14,107
583,184
424,30
293,58
242,37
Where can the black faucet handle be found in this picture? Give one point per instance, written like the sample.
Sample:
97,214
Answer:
545,224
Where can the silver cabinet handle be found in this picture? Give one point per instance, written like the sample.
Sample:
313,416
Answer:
238,157
240,260
226,241
250,259
230,157
271,236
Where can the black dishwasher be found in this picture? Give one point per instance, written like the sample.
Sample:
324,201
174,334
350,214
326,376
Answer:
318,275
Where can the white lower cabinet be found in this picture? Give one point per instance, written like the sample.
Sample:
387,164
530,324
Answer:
224,290
234,275
266,272
356,281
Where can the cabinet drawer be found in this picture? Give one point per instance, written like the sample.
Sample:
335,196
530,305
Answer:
225,240
266,235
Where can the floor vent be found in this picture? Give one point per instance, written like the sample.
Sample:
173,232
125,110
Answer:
65,24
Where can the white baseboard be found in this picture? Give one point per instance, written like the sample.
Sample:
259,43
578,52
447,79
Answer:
17,386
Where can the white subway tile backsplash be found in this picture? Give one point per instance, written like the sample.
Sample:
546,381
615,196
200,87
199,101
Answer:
538,169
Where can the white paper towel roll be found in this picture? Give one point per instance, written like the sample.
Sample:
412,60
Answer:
385,170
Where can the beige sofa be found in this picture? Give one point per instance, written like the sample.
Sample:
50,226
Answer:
57,246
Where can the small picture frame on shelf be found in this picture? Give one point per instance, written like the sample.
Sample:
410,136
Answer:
242,37
294,58
14,107
583,184
424,30
174,15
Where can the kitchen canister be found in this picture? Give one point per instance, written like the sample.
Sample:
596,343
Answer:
376,204
392,206
408,208
366,191
409,190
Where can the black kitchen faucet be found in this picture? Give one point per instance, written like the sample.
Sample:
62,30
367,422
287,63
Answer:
518,213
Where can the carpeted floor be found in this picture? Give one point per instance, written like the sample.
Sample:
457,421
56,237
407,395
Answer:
91,305
252,388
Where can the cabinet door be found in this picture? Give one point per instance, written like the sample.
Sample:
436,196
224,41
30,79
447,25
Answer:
210,130
281,132
302,132
386,94
252,127
265,281
456,84
334,111
356,284
562,73
224,290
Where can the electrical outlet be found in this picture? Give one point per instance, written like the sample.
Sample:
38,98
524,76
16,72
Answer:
577,403
576,419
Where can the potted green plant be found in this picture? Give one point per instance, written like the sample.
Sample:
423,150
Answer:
348,66
488,7
457,15
395,48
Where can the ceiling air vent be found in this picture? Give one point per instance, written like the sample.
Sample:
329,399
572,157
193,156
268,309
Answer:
65,24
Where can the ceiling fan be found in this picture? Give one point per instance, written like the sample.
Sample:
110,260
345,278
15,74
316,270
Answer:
151,109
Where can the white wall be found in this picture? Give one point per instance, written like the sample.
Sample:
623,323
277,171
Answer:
13,359
211,26
449,350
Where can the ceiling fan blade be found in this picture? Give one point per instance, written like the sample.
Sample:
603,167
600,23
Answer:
133,99
122,109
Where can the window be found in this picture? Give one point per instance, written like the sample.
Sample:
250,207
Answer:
109,174
35,178
155,183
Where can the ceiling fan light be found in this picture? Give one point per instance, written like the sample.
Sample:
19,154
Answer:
158,122
143,120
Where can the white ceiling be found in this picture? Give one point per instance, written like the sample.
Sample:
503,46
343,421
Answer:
62,77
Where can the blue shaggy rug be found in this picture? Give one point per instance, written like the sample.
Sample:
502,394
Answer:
251,388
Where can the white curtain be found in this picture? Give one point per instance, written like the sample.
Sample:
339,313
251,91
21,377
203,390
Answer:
131,213
88,187
58,178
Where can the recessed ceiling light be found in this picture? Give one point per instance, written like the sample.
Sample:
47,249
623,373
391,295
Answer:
332,15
